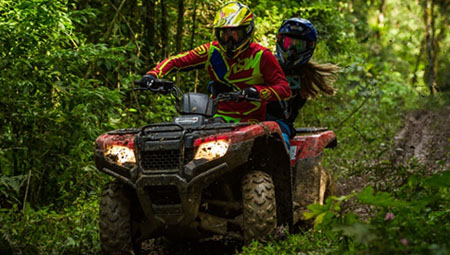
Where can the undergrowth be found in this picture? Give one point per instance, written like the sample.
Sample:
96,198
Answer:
72,230
413,220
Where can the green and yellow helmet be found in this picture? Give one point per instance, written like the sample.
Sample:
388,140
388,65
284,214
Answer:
233,27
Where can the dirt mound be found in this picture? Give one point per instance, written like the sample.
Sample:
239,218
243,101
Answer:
424,137
421,147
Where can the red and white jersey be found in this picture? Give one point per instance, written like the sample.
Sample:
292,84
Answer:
256,67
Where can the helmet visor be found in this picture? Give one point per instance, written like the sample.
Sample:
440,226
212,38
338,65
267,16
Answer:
226,35
292,44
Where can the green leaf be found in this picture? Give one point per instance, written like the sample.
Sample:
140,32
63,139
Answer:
319,219
439,181
382,199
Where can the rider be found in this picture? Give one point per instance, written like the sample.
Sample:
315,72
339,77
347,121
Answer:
234,63
296,41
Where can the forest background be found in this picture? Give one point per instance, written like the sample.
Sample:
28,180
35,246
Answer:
66,74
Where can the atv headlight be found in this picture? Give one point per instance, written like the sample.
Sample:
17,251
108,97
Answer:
120,154
212,150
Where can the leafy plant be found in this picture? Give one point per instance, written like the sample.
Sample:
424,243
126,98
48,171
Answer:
73,230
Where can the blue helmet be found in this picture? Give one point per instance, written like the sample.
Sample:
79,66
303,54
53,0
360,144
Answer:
296,41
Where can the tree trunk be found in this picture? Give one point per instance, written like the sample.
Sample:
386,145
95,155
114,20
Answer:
439,36
429,40
380,19
149,29
164,30
194,18
416,66
191,44
180,23
179,34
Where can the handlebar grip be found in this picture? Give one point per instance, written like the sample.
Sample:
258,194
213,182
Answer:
136,82
157,85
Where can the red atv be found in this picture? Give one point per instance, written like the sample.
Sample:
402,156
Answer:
198,176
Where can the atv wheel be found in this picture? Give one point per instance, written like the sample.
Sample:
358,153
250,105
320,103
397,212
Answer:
259,206
115,220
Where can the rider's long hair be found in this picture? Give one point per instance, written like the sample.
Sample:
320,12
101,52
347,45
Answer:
316,77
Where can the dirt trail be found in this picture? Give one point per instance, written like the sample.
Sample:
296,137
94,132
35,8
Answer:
421,147
425,137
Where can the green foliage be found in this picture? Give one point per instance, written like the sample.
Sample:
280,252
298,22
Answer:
330,214
414,220
66,73
309,242
10,189
381,199
419,224
72,230
52,112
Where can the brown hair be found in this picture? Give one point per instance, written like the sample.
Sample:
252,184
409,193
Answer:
316,77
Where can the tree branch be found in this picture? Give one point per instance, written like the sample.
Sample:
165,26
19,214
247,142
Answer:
114,19
353,112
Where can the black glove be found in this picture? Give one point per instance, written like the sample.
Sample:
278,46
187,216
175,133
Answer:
250,92
147,81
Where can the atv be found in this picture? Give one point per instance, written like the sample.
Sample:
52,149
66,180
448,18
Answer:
199,176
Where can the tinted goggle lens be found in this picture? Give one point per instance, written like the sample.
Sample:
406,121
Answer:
289,43
230,34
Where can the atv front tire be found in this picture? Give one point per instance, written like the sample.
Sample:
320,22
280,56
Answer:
116,235
259,206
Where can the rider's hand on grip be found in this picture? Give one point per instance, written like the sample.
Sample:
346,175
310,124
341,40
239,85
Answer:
147,81
250,92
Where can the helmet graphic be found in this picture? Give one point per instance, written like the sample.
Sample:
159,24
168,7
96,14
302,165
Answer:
296,41
233,27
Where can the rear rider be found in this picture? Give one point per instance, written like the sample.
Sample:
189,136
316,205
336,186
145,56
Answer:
296,41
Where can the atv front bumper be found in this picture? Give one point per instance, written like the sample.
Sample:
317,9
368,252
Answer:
170,199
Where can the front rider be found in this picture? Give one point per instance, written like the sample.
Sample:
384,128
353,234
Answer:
234,63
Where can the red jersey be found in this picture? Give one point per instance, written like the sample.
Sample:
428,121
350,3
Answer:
256,67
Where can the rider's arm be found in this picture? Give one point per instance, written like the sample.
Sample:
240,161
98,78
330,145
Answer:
193,59
276,87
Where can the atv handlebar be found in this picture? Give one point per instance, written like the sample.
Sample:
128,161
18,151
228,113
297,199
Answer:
158,86
236,96
165,86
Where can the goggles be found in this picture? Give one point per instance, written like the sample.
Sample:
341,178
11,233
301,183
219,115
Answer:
225,35
289,43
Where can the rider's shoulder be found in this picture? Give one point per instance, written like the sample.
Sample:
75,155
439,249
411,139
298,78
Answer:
257,47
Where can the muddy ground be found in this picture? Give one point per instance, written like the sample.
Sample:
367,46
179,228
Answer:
421,147
426,138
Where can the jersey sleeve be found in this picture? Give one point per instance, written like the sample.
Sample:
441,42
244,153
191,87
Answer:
276,87
185,61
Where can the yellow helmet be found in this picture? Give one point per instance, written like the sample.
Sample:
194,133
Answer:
234,25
